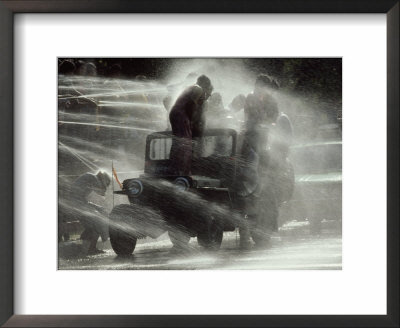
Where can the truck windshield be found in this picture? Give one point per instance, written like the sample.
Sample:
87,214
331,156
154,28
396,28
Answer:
219,145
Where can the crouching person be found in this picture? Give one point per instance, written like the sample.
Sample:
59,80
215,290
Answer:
93,217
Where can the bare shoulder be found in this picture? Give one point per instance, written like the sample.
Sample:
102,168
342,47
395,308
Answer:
195,92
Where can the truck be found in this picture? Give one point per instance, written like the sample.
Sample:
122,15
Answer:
204,204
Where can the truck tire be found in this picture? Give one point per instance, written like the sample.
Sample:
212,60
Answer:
122,242
211,237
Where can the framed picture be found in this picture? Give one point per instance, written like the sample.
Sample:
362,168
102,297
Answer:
89,79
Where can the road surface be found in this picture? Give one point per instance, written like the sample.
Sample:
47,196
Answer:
294,247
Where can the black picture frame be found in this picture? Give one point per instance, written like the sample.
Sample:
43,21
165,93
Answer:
7,192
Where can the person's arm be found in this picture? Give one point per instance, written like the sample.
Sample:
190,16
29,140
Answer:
195,94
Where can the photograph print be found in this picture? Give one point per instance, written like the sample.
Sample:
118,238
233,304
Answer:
199,163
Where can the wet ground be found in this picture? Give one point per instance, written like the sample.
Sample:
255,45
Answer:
295,246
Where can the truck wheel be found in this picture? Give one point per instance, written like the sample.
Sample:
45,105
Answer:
122,242
211,237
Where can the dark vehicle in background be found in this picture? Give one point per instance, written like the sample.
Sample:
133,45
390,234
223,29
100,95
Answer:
317,195
201,205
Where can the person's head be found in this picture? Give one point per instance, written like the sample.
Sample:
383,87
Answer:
263,83
66,67
87,69
238,103
205,83
104,181
115,71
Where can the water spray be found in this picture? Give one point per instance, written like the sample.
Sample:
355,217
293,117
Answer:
86,162
106,126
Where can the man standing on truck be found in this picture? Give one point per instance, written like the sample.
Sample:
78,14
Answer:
187,122
91,216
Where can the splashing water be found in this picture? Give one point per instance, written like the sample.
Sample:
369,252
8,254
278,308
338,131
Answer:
104,121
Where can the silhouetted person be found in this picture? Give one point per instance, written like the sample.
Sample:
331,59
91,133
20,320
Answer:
257,108
115,71
87,69
172,93
66,67
279,166
90,215
186,123
237,103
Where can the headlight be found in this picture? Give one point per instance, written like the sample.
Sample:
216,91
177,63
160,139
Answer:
134,188
182,183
